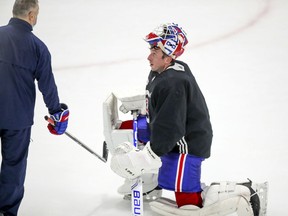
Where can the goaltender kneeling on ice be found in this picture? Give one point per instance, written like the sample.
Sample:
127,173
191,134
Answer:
180,130
222,198
177,119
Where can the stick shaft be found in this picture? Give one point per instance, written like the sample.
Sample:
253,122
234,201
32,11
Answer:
51,121
84,146
136,187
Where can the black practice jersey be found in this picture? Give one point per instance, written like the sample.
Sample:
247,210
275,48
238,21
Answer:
177,113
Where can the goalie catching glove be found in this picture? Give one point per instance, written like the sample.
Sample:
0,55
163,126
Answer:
59,121
129,162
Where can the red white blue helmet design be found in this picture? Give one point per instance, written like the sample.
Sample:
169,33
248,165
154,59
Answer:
170,38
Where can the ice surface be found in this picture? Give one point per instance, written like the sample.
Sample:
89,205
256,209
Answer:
238,53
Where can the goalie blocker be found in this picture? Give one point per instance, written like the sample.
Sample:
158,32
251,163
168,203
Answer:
221,199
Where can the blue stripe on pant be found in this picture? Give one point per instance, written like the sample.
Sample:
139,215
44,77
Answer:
14,149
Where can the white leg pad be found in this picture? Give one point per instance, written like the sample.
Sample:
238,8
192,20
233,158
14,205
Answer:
224,190
237,206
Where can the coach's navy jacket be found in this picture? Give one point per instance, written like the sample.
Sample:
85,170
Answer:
24,58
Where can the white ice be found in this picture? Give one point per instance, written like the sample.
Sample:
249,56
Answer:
238,52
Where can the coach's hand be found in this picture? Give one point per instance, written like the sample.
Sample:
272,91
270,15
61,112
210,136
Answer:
58,122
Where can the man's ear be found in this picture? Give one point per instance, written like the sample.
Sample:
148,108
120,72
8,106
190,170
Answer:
167,59
31,16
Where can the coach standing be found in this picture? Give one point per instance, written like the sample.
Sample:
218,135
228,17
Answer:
24,58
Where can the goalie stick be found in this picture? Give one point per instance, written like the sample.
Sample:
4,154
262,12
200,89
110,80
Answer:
105,149
136,187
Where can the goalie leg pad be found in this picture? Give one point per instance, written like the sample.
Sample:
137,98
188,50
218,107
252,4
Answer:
224,190
236,206
221,199
256,193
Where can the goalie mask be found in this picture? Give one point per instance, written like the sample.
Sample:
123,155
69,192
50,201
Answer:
170,38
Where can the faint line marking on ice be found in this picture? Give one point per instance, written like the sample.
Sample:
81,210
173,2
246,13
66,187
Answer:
236,31
248,25
97,64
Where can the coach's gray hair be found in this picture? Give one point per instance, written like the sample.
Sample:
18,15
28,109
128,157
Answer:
22,7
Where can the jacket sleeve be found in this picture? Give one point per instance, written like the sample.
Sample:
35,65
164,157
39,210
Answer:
46,81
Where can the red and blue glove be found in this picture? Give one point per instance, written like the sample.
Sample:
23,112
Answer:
58,122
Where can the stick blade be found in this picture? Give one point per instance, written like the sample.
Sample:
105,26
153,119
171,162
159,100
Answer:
105,151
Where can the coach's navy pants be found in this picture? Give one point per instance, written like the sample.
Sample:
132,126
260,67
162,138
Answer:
14,150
